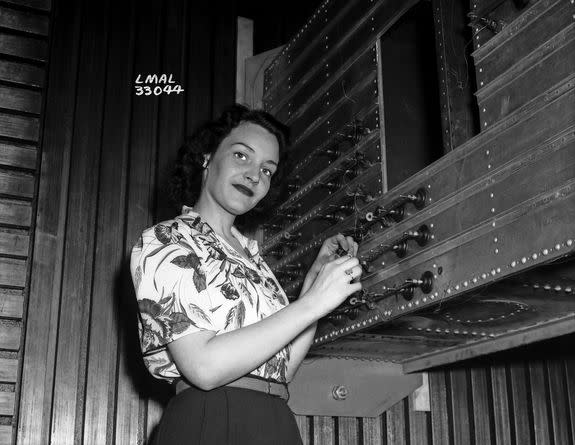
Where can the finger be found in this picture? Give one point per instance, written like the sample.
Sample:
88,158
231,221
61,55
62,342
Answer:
354,287
349,263
354,272
349,244
341,260
355,248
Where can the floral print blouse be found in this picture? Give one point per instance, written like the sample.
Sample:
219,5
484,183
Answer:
187,278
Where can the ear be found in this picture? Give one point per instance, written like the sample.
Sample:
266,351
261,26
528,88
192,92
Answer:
207,158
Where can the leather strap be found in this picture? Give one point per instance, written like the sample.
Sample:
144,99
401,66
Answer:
275,389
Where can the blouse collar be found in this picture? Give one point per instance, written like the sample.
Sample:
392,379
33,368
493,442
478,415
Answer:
250,245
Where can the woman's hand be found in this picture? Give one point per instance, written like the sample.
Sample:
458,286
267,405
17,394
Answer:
327,253
333,283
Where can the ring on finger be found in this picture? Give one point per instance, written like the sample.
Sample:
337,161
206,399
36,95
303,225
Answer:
349,272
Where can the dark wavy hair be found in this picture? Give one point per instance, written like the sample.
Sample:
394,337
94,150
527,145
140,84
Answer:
186,179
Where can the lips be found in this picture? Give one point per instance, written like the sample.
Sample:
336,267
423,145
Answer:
243,189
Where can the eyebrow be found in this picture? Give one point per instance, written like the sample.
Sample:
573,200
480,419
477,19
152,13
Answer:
251,149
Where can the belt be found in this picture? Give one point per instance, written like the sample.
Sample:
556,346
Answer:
275,389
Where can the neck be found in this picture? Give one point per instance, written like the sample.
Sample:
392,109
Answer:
218,218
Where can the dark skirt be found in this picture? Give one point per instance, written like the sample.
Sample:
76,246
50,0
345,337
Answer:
227,416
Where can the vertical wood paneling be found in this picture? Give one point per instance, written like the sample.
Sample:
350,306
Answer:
303,423
482,417
323,430
501,405
131,412
373,431
522,419
198,82
419,425
347,431
102,348
461,421
396,424
73,328
539,397
570,382
559,403
224,79
439,411
41,332
172,107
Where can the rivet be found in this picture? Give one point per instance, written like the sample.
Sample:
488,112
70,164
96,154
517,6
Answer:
474,279
491,195
493,224
493,210
449,290
484,110
488,166
457,287
481,70
557,246
557,288
545,252
523,260
402,307
487,152
481,83
495,240
408,304
547,287
496,251
493,272
569,242
435,266
485,124
424,299
568,289
498,270
513,263
484,276
465,284
534,256
431,225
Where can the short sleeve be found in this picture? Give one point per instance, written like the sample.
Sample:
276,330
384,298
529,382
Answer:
170,285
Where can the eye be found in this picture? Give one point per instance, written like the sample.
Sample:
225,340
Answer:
267,172
240,155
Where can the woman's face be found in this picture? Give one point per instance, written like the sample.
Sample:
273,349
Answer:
238,174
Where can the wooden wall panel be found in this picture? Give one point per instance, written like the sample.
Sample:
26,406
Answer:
102,347
105,157
21,73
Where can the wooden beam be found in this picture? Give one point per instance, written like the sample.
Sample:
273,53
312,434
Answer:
18,155
22,73
8,370
16,213
6,403
12,272
10,333
25,21
14,243
16,184
11,303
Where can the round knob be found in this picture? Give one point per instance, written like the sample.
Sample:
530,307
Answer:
339,392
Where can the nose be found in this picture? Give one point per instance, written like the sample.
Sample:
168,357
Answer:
252,175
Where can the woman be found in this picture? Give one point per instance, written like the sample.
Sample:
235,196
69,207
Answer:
213,318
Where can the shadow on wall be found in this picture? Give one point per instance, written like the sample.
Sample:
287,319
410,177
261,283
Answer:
146,386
